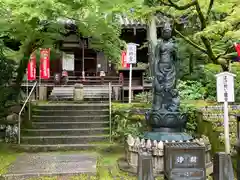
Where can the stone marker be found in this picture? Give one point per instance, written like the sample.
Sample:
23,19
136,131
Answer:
223,169
145,167
51,164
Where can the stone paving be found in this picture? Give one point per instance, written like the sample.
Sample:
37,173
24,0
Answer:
54,164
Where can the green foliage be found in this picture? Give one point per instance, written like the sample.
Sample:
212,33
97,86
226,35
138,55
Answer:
209,80
144,97
209,28
191,111
7,93
127,120
38,24
235,69
130,119
191,90
123,126
6,70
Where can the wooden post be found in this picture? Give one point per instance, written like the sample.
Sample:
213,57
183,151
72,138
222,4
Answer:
83,63
130,85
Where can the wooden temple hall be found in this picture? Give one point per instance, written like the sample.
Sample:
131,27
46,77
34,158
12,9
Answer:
78,57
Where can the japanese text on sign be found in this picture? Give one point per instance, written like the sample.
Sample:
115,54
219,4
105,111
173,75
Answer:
131,53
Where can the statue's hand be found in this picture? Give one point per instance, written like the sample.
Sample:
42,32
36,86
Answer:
160,78
174,92
167,90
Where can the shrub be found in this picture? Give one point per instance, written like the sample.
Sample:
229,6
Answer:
144,97
191,90
130,119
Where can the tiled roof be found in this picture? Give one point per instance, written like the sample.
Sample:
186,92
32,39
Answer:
127,22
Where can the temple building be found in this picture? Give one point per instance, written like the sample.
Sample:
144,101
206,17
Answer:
84,64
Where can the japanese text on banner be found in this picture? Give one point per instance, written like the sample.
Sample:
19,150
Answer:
45,63
31,70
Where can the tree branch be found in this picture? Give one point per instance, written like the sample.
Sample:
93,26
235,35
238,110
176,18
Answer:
184,7
209,9
191,42
208,46
200,15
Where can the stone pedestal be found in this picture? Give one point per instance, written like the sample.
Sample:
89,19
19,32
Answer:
116,91
78,92
42,93
156,149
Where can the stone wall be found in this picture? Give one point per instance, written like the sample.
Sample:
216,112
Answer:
9,123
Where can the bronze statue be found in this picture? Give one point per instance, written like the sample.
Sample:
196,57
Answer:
165,115
164,86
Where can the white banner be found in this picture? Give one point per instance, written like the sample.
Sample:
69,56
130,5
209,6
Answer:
68,61
131,53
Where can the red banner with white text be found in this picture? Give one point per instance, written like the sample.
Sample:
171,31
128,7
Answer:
237,47
45,63
31,68
124,60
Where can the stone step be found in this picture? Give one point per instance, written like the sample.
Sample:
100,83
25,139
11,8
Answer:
81,102
96,96
69,125
61,147
63,139
53,112
70,118
72,106
68,132
97,99
66,96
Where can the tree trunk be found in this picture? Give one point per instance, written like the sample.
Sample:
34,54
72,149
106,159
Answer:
152,42
21,70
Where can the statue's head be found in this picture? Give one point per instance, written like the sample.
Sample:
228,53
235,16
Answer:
167,31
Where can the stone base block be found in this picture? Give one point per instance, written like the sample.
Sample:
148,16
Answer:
156,150
167,136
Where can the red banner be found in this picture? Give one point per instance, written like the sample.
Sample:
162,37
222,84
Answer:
124,60
45,63
31,69
237,47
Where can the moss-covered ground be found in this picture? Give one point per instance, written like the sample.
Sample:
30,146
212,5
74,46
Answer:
106,165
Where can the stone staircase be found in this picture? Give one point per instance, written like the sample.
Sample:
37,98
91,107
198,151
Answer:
64,126
90,93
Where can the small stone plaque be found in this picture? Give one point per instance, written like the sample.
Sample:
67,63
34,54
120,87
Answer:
184,160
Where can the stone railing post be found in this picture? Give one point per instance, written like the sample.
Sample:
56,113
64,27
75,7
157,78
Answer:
145,167
238,146
238,158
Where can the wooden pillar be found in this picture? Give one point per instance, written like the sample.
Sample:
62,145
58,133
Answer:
83,60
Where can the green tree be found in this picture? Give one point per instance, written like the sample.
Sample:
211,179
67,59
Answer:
35,23
209,26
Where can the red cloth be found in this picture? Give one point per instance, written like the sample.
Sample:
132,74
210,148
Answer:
45,63
124,60
31,70
64,74
237,47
